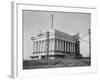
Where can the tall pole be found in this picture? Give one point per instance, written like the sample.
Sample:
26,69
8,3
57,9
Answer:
52,20
47,44
89,31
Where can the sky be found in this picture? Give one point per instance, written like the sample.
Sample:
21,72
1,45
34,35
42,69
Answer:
68,22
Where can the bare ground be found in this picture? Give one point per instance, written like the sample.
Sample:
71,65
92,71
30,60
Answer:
36,64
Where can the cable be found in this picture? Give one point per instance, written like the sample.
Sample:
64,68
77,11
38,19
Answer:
84,35
86,51
84,40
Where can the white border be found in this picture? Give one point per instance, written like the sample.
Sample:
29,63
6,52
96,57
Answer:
17,70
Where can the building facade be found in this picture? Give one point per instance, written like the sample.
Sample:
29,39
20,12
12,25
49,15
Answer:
55,44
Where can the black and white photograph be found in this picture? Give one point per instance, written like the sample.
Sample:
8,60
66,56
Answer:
55,39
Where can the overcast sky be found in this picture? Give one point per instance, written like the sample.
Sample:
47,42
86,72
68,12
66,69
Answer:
70,23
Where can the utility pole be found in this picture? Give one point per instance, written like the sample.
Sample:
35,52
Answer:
47,44
89,32
47,39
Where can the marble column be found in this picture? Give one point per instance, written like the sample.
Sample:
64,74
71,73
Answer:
70,46
39,46
43,46
57,45
36,46
33,46
62,45
53,44
49,44
65,46
74,47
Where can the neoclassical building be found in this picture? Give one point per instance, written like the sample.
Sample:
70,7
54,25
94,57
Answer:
55,44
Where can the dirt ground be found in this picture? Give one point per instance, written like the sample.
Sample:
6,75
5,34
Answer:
37,64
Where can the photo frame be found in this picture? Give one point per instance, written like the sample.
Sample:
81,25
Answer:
18,36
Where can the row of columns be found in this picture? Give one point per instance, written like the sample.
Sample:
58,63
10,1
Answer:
64,46
40,46
54,45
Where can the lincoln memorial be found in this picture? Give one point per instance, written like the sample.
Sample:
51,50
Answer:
55,44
